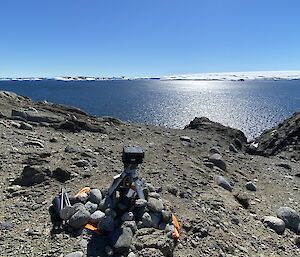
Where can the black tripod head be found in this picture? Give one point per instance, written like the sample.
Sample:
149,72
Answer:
132,155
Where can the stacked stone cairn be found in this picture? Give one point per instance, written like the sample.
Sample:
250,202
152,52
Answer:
121,222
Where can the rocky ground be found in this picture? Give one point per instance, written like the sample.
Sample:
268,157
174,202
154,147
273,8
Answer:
206,174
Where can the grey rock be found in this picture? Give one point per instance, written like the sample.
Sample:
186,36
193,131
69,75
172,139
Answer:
102,205
53,140
120,239
127,216
35,116
154,195
79,218
91,207
217,160
96,217
290,217
146,220
15,124
155,205
61,175
222,182
79,206
26,126
185,141
214,150
232,148
152,238
75,254
274,223
106,224
67,212
81,163
185,138
285,166
6,226
140,203
31,175
150,187
72,149
243,199
250,186
166,216
95,196
156,218
131,255
34,143
150,252
130,224
208,164
173,190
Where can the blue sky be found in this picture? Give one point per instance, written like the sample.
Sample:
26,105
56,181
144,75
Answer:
147,37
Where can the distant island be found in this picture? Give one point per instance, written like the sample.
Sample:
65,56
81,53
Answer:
224,76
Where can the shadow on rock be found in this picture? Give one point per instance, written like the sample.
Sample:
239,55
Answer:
96,246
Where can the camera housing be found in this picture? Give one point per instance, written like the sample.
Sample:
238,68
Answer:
133,155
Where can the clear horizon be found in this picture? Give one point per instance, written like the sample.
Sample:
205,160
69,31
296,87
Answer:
265,72
144,39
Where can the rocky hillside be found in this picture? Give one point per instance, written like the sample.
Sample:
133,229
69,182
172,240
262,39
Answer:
282,140
228,202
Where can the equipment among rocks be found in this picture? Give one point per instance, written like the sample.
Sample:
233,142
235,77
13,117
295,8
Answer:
127,184
62,205
128,207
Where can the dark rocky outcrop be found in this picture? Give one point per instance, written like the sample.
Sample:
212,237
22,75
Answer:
231,135
284,138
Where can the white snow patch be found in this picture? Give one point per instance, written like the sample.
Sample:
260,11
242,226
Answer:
236,76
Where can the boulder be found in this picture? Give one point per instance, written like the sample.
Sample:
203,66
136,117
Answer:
91,207
81,163
217,160
106,224
222,182
32,175
95,196
120,239
250,186
153,239
72,149
243,199
130,224
79,218
36,116
155,205
127,216
274,223
290,217
25,126
61,175
146,220
96,217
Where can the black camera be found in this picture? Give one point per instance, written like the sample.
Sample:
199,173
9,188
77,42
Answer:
132,155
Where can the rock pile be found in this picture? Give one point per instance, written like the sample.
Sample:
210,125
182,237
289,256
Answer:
123,223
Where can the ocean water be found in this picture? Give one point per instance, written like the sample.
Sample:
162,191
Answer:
251,106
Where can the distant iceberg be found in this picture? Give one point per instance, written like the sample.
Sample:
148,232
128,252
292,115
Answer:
238,76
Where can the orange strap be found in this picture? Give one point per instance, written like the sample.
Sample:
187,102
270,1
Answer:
91,227
83,190
176,231
175,234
